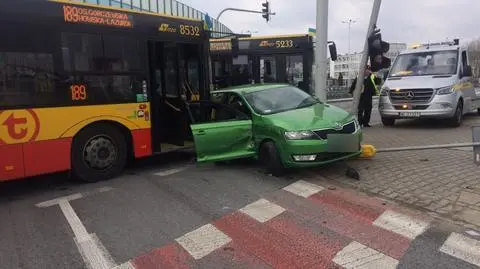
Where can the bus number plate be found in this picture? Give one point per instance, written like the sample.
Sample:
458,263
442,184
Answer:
410,114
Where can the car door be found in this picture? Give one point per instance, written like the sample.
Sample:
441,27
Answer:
220,132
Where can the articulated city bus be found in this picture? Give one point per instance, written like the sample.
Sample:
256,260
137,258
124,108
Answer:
84,88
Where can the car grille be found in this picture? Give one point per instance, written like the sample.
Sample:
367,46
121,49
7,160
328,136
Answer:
414,107
347,129
411,96
326,156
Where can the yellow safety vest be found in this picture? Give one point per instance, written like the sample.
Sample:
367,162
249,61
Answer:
372,78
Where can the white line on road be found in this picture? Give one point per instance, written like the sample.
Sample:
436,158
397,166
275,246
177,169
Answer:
463,248
72,197
170,171
94,254
358,256
303,188
203,241
401,224
262,210
127,265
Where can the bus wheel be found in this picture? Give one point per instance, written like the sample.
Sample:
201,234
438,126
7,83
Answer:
98,153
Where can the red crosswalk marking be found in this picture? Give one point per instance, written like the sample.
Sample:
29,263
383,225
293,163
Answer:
172,256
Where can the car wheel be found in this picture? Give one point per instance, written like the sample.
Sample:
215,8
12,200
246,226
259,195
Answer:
388,121
478,111
270,158
98,153
456,121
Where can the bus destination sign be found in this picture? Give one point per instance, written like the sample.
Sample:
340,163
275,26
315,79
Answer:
221,46
75,14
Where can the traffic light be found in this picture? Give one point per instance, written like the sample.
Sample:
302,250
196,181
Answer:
235,47
266,10
376,50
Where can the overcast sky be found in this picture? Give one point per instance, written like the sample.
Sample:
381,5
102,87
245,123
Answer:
408,21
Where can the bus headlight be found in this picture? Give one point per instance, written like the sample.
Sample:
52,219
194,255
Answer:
445,90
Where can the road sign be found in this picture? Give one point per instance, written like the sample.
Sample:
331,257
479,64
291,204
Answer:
476,149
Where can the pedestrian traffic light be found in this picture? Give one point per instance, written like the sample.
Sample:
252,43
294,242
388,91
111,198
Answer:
266,10
376,50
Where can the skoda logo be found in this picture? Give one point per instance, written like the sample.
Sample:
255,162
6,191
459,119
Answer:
338,126
410,95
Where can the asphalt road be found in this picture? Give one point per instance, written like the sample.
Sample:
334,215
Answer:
139,219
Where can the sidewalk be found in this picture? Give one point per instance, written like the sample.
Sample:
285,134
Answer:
444,181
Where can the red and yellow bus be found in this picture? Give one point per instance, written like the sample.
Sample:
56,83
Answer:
84,88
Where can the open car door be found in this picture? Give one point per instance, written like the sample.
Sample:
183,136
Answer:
221,133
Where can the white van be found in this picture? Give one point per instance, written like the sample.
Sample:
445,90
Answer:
430,81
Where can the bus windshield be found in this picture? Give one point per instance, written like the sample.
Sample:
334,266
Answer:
426,64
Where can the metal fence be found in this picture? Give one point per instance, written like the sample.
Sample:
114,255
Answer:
167,7
338,92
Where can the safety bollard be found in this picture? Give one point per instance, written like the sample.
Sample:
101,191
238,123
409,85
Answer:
368,152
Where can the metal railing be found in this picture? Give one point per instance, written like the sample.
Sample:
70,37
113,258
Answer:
167,7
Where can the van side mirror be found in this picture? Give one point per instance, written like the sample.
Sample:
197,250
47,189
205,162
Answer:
468,71
333,50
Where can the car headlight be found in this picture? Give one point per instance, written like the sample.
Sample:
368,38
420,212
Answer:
300,135
384,91
445,90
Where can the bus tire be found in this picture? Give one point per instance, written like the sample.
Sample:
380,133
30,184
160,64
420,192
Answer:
270,158
99,152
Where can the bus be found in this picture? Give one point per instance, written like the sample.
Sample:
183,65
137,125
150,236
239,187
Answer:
270,59
85,88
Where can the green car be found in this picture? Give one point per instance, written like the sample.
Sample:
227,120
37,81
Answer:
282,126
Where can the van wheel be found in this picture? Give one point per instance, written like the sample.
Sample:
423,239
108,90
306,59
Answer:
98,153
456,121
388,121
270,158
478,111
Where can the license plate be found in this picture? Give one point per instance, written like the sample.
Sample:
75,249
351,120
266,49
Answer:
410,114
342,143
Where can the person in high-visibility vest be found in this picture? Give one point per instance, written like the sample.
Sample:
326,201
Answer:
369,90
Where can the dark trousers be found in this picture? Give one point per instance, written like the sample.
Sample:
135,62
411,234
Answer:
365,109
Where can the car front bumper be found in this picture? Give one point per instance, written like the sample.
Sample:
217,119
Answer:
441,107
323,151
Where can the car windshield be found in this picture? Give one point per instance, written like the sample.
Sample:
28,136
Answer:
425,64
276,100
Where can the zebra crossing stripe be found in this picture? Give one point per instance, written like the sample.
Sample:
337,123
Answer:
463,248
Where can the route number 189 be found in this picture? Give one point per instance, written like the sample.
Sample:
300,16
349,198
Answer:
79,92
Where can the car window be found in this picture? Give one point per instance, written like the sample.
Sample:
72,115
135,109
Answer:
209,112
236,102
276,100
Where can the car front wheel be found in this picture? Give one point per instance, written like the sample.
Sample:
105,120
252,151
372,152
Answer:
388,121
270,158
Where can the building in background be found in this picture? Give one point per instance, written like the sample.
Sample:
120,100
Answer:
347,65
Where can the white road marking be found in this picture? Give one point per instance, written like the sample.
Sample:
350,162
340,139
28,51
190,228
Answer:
127,265
463,248
72,197
203,241
262,210
358,256
401,224
473,233
94,254
170,171
303,188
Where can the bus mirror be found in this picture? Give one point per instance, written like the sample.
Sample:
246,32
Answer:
333,51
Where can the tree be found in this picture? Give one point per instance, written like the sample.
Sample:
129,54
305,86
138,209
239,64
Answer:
474,52
340,79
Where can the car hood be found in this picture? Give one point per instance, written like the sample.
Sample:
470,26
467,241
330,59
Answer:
314,117
429,82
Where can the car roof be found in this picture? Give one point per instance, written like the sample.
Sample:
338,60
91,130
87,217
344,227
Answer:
249,88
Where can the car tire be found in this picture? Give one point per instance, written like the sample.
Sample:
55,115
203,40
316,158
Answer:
270,158
98,153
456,121
388,121
478,111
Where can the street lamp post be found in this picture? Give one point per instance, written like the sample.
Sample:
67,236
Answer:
349,22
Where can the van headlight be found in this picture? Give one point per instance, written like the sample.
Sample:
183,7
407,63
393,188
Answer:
445,90
384,91
300,135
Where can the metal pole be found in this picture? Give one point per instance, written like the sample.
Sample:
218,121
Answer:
321,45
350,21
241,10
363,63
444,146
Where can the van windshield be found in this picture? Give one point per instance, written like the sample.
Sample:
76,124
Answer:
425,64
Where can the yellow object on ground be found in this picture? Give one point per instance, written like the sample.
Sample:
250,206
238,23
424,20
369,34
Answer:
368,151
